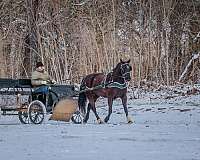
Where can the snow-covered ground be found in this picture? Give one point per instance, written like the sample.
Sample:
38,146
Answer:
163,129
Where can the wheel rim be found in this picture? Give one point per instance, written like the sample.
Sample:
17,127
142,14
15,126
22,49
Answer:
36,114
77,118
23,117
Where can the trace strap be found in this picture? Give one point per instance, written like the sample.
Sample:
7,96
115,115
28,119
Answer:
117,85
108,85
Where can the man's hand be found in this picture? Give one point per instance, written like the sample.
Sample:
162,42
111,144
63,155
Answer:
44,82
53,81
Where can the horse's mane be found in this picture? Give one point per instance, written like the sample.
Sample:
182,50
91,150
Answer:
117,69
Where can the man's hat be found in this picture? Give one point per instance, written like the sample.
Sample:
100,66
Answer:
39,64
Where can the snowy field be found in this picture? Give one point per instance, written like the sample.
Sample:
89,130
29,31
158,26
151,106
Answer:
163,129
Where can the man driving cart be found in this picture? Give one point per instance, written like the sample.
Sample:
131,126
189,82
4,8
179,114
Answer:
40,76
63,110
40,80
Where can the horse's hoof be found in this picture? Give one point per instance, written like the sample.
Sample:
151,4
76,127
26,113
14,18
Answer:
106,120
129,120
84,121
99,121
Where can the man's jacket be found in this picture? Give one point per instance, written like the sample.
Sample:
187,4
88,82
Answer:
39,78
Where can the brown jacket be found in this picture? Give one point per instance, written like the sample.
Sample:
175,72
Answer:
39,78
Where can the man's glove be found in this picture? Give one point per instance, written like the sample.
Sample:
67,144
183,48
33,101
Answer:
43,82
53,81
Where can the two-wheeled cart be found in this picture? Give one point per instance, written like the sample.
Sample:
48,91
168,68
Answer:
18,97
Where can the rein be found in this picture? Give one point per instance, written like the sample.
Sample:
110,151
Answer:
105,84
110,83
114,84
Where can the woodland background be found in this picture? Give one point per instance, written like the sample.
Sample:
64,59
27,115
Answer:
77,37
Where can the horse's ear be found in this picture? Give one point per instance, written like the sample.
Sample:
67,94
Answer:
129,61
121,60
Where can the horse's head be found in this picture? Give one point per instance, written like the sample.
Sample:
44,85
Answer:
125,69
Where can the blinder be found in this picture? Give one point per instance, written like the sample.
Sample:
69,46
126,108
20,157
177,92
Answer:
125,71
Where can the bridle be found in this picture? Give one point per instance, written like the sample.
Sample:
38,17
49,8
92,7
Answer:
125,73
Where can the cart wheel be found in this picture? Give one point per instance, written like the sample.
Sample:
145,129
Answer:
77,118
23,117
36,112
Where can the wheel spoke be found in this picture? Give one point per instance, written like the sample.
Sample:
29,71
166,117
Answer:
77,118
36,112
23,117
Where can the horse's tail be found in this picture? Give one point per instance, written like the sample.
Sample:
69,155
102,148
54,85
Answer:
82,99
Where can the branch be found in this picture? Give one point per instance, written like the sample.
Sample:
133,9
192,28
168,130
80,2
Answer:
195,56
82,3
196,38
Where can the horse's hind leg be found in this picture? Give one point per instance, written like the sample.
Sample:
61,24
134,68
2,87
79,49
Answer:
87,114
92,102
110,102
124,102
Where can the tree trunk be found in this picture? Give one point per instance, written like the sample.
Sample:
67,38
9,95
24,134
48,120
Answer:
31,54
2,65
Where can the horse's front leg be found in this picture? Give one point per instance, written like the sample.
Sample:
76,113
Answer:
124,102
110,103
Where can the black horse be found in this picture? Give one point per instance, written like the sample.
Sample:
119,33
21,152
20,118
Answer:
112,85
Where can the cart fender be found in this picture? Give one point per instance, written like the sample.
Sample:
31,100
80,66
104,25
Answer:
64,110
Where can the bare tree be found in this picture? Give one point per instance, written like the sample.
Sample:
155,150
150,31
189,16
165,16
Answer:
75,38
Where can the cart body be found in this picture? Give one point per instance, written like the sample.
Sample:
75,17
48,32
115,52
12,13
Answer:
29,104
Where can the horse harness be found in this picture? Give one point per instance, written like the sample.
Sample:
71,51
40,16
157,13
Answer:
108,81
